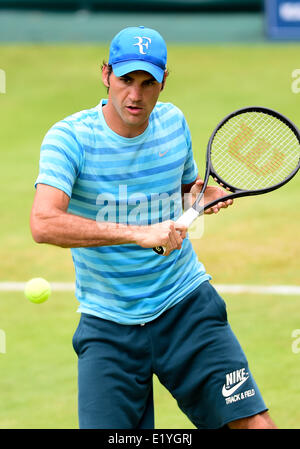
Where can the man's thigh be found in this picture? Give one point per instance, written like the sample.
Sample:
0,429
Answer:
114,375
200,361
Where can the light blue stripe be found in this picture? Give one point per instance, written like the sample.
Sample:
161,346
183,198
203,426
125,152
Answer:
117,150
134,274
53,182
131,175
82,211
54,175
145,159
133,298
64,167
150,184
129,192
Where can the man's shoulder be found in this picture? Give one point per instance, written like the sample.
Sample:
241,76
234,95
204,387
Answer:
74,124
166,115
162,108
83,117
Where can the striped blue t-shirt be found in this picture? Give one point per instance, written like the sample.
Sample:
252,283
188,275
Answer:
127,180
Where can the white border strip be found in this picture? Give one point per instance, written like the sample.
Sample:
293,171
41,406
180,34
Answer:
222,288
259,289
20,286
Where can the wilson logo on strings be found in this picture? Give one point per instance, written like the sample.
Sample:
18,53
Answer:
250,159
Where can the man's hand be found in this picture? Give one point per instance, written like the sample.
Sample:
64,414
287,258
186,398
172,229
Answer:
168,234
210,194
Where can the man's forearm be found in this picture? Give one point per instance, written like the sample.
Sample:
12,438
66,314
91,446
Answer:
51,223
71,231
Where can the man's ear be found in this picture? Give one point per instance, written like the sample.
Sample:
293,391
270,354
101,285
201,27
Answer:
105,76
164,80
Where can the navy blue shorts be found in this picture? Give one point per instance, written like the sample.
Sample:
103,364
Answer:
192,350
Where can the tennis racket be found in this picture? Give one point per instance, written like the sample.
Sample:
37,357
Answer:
252,151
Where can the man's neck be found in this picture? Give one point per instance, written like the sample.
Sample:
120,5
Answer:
116,124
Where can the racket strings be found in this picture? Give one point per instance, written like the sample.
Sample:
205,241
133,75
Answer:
230,169
254,150
276,128
251,159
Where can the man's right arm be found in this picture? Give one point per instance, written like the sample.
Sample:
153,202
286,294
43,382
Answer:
51,223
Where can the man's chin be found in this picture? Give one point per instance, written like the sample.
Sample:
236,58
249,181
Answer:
136,121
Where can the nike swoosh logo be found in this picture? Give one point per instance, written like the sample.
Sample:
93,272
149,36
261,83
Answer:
228,392
162,154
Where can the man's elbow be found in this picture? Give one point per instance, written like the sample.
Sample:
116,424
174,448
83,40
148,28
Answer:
38,230
37,235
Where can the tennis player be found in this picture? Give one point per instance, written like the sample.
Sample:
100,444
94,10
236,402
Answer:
109,187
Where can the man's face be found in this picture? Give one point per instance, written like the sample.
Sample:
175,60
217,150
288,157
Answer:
131,100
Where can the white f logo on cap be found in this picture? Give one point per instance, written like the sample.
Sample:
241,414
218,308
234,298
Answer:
141,44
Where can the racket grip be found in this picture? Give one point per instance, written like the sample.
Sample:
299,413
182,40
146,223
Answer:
186,219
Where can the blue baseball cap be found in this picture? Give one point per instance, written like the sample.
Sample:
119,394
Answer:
138,48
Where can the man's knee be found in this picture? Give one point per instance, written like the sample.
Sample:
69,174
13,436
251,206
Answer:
259,421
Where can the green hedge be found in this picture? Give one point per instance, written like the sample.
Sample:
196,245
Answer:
157,5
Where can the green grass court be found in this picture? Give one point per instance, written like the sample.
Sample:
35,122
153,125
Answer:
254,242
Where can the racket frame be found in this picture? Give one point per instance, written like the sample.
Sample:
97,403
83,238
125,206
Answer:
237,193
189,216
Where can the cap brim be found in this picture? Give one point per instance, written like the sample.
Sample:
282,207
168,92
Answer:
121,68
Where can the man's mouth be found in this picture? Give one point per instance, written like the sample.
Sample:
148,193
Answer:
134,109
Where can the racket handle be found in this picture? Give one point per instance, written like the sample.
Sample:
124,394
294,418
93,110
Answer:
186,219
159,250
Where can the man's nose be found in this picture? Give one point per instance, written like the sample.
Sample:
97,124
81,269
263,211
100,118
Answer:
135,93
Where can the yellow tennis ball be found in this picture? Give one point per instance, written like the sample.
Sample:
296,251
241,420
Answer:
37,290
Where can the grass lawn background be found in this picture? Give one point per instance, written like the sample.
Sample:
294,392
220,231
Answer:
256,241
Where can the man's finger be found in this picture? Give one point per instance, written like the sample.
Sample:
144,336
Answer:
181,229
